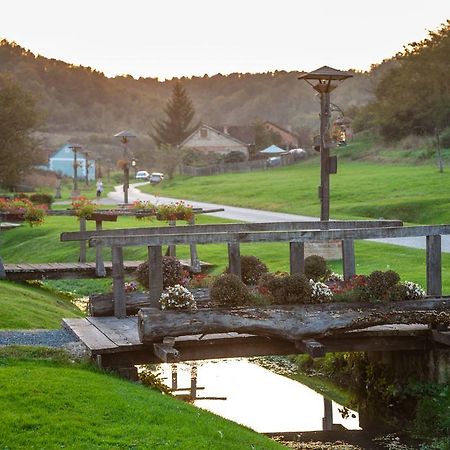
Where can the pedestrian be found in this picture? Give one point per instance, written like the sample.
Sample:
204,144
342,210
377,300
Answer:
99,188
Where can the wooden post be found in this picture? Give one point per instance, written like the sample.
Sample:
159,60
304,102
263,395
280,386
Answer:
2,270
434,266
327,421
234,259
297,257
155,273
120,308
348,258
195,262
172,250
82,257
193,393
174,370
99,265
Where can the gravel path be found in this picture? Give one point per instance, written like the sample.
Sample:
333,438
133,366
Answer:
46,338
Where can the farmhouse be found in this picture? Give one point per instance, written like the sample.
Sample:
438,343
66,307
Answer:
289,139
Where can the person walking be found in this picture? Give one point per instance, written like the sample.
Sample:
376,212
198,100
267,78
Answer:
99,188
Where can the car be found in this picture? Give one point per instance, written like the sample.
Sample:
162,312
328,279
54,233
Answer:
142,175
156,177
273,161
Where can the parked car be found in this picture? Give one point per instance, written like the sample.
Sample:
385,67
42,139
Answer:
298,153
156,177
142,175
273,161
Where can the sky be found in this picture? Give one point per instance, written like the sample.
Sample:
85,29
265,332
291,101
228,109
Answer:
173,38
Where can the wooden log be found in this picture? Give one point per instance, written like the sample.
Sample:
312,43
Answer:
311,347
348,258
296,322
120,310
297,257
234,259
166,353
102,305
434,266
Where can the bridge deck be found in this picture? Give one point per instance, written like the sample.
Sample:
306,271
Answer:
115,342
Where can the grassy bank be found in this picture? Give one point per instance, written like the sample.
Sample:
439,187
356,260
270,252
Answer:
27,307
360,190
50,402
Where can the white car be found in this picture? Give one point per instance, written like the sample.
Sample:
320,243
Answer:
142,175
156,177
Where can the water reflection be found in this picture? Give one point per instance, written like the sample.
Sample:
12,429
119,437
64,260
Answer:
254,396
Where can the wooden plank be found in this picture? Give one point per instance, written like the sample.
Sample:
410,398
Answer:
82,257
234,259
90,335
274,236
233,227
195,262
297,257
172,250
311,347
155,275
434,266
120,309
123,332
348,258
442,337
166,353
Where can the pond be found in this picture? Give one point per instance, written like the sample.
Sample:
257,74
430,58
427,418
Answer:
251,395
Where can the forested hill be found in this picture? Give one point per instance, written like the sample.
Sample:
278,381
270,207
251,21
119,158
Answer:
82,99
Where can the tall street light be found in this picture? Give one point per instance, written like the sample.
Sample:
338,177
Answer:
86,166
125,137
324,80
75,148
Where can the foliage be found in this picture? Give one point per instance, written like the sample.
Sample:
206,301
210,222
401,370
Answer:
320,292
175,211
177,297
316,268
41,199
177,126
24,209
83,207
18,120
201,280
445,138
169,158
147,208
285,289
229,290
233,157
265,137
252,268
198,158
379,285
153,380
173,273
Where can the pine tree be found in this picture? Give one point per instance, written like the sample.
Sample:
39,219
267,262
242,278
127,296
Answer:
176,127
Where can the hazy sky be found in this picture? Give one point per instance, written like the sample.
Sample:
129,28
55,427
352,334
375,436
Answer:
169,38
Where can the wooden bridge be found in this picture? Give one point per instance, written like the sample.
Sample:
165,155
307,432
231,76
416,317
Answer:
122,341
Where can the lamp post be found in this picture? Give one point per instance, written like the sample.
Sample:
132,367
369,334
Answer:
324,80
134,166
75,148
125,137
86,166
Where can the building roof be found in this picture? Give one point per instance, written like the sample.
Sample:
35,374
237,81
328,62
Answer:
217,130
273,150
244,133
282,128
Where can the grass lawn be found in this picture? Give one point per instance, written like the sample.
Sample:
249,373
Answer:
360,190
49,402
27,307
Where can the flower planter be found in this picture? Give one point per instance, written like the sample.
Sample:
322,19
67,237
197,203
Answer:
100,217
12,217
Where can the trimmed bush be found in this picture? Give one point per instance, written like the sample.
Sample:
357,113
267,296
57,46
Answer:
252,268
173,272
316,268
379,284
287,289
41,199
229,290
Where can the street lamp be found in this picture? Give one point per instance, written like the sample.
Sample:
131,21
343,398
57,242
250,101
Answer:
75,148
125,137
134,166
86,166
324,80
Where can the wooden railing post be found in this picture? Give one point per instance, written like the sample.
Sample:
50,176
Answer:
172,250
83,243
99,265
234,259
297,257
195,262
434,266
2,270
155,273
120,309
348,258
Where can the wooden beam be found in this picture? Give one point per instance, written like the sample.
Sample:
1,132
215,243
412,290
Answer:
348,258
442,337
120,309
233,228
297,258
274,236
434,266
172,250
166,353
195,262
311,347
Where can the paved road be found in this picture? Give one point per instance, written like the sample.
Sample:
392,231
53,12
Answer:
256,215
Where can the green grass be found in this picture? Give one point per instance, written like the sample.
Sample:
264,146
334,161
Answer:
27,307
360,190
48,402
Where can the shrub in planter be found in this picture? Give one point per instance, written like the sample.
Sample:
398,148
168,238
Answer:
177,297
406,291
252,268
316,268
286,289
41,199
380,283
229,290
173,272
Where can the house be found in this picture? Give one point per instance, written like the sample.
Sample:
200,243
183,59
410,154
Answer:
62,160
221,139
288,138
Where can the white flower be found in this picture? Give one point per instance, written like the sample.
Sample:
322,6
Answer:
413,291
320,292
177,297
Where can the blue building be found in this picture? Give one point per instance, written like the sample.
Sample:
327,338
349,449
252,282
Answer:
62,162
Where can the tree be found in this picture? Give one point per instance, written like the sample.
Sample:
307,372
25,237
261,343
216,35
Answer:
265,137
169,157
176,127
19,151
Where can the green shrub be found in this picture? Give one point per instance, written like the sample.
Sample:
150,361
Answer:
316,268
229,290
287,289
173,272
379,284
252,268
41,199
445,138
234,156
